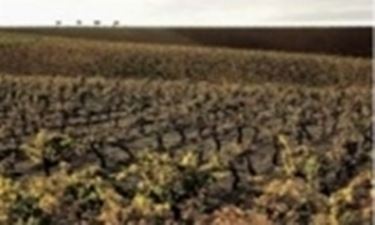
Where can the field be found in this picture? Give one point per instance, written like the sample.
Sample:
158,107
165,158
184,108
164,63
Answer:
347,41
112,132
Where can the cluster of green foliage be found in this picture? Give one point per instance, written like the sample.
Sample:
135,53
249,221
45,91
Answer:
295,197
160,186
152,186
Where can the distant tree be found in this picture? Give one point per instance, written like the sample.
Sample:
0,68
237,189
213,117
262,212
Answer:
79,22
97,22
58,23
116,23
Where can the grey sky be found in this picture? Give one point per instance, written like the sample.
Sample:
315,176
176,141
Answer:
188,12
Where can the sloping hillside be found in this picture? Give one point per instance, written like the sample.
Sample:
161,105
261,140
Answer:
344,41
51,56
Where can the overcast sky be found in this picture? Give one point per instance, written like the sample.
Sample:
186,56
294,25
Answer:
188,12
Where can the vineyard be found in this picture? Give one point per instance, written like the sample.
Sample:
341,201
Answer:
60,56
117,133
344,41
